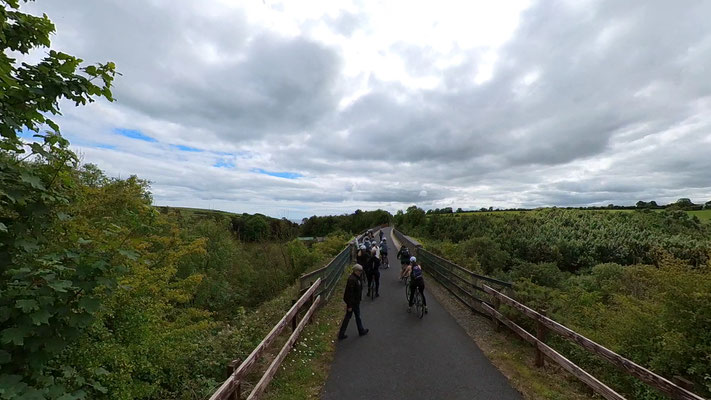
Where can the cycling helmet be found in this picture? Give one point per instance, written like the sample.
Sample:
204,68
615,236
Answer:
413,259
362,247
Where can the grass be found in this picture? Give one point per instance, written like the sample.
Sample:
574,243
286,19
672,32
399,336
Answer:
305,370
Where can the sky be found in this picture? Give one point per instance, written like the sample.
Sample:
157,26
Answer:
299,108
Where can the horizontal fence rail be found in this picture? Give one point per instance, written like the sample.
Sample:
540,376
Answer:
329,274
630,367
231,386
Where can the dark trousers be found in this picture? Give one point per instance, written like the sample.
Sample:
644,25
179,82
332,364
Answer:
374,275
347,318
418,284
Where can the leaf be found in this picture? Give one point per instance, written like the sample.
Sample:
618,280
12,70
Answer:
13,335
130,254
3,227
27,305
40,317
33,180
4,357
60,286
84,241
90,304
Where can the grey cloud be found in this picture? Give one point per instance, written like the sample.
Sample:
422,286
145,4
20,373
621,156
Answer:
616,82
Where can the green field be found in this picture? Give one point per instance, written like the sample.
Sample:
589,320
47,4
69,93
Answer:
703,215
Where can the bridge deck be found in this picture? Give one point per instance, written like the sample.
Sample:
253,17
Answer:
404,357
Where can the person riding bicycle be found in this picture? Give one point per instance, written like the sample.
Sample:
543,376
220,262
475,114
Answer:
404,255
381,235
417,282
372,271
384,253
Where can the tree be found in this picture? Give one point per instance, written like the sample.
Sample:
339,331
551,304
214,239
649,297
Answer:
707,205
47,292
642,204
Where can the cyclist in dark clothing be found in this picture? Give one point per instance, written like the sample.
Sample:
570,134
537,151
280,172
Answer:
404,255
352,296
372,271
417,282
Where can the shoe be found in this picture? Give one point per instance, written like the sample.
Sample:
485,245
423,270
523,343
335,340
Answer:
426,310
365,332
409,309
341,337
368,295
377,294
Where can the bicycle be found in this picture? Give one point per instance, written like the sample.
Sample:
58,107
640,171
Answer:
384,263
419,307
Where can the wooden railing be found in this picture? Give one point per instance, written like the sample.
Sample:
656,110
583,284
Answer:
545,324
232,388
477,292
328,274
464,285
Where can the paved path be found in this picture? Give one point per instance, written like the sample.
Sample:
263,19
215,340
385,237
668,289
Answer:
406,358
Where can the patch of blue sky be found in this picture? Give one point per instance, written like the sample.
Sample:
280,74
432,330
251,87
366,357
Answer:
106,146
134,134
27,134
286,175
186,148
224,164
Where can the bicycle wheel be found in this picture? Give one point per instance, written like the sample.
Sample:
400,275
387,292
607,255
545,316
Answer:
407,289
418,303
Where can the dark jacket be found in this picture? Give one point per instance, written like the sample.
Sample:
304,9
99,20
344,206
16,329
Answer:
354,289
363,258
404,255
373,264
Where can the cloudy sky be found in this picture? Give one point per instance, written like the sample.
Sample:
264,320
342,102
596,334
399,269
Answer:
297,108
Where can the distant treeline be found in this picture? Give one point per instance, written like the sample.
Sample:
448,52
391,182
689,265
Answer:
350,223
261,228
684,204
245,227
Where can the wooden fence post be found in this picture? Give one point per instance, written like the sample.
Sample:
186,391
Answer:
293,320
541,334
237,393
313,298
497,304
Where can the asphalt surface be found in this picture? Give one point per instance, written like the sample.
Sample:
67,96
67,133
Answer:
404,357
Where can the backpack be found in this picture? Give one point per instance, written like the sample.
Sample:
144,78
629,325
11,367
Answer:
416,272
405,254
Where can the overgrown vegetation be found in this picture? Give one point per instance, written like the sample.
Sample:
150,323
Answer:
637,282
102,296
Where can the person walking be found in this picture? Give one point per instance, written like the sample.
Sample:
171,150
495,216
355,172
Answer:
372,271
352,296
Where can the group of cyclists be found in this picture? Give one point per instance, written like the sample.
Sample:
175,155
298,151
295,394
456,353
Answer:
372,254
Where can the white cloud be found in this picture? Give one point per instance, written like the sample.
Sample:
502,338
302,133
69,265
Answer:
389,103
